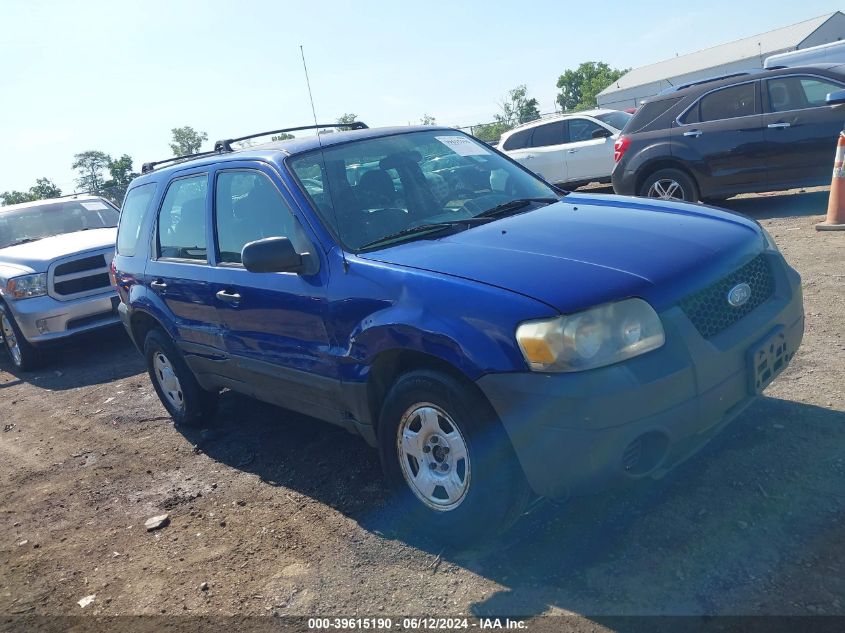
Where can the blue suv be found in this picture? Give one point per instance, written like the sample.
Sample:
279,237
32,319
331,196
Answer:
494,337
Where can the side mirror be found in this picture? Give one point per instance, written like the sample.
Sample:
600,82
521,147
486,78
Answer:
602,133
271,255
835,98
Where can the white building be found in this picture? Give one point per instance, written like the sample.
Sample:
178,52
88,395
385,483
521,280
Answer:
745,54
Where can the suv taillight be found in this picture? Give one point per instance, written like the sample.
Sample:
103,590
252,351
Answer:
113,274
620,147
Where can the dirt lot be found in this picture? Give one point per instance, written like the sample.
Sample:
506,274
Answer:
280,514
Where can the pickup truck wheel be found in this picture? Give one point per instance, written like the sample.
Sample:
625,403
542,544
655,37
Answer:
448,460
22,353
670,184
177,388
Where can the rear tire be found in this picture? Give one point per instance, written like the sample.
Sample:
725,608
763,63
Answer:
670,184
448,460
187,403
23,354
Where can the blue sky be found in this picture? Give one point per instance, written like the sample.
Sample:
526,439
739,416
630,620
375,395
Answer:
116,76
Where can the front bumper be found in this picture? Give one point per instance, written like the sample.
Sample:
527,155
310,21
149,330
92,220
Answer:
44,319
580,432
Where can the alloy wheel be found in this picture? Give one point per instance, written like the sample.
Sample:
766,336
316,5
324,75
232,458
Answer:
666,189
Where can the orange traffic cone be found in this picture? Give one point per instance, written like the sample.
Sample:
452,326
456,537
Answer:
836,207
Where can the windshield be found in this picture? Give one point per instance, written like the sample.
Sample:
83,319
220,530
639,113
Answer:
370,189
54,218
616,119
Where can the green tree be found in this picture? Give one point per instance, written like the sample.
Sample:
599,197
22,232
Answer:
121,175
121,171
346,119
579,87
16,197
186,140
490,132
90,166
284,136
44,188
427,119
517,108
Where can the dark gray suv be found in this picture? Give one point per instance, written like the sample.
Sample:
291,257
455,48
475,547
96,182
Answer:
760,131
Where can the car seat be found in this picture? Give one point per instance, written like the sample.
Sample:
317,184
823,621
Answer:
375,190
72,222
189,232
779,97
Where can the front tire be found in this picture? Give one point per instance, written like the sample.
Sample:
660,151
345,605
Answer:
23,354
670,184
447,459
187,403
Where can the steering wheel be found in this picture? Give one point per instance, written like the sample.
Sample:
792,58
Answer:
477,205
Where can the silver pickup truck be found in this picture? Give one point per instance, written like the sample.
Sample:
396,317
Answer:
54,273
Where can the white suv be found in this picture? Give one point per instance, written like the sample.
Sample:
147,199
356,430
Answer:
567,149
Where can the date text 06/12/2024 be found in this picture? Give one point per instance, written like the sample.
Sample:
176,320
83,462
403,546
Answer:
426,623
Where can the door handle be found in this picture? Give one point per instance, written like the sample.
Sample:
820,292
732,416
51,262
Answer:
695,133
782,124
228,297
158,284
571,151
529,156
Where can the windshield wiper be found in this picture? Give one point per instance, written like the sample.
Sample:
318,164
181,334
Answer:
421,230
507,208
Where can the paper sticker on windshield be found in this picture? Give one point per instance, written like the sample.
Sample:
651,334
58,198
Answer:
462,145
94,206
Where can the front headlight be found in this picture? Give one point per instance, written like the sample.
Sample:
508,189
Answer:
593,338
26,286
769,241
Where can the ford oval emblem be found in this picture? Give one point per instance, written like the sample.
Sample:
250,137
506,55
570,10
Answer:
739,295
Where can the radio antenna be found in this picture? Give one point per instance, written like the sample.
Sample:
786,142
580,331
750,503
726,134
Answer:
323,159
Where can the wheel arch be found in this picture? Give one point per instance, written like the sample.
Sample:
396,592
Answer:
387,366
663,163
140,324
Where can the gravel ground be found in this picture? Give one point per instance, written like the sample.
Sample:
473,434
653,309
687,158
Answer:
275,513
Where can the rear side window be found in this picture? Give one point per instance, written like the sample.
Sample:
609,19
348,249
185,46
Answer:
650,113
181,220
616,120
131,217
549,134
518,140
248,207
727,103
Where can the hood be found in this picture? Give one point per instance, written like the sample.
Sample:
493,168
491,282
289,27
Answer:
591,249
37,256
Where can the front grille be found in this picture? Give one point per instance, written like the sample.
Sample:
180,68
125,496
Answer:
78,265
80,277
709,310
82,284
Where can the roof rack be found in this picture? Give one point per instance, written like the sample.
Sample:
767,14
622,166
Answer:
707,80
148,167
225,145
